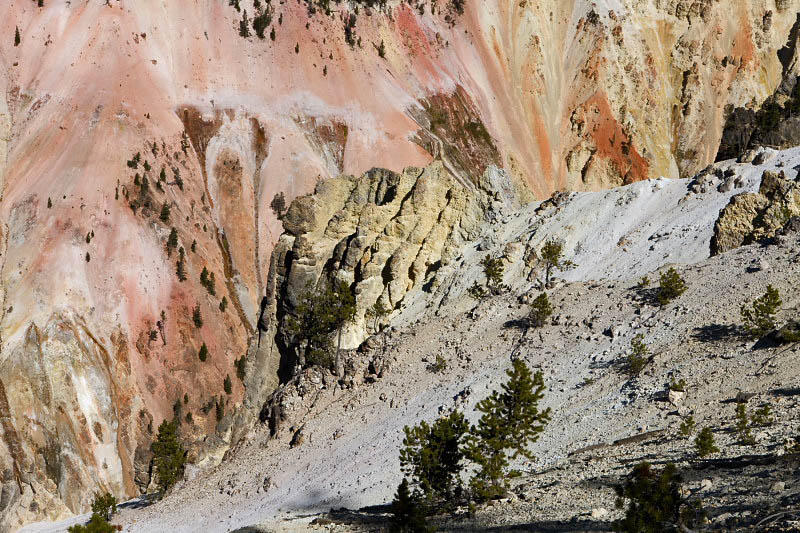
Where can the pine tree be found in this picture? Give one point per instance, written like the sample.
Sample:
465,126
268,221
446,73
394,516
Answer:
432,454
164,216
172,241
553,257
671,286
278,205
759,318
244,26
655,503
104,505
540,311
223,304
197,318
240,367
203,353
181,265
511,421
408,513
17,38
227,385
96,524
169,456
318,315
704,443
493,270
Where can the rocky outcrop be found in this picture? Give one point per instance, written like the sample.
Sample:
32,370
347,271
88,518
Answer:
385,234
749,217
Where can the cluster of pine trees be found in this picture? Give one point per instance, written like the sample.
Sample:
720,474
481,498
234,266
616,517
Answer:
434,456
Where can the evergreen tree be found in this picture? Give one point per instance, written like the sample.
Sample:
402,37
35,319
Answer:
227,385
240,367
96,524
431,456
180,266
203,353
655,502
759,319
540,311
671,286
704,443
223,304
169,456
318,315
197,318
104,505
244,26
278,205
17,38
511,421
164,216
493,270
172,241
408,513
261,21
553,258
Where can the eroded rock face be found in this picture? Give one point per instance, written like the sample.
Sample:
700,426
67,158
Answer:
752,216
562,95
385,234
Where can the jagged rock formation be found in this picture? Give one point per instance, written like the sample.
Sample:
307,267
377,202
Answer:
753,216
561,95
385,234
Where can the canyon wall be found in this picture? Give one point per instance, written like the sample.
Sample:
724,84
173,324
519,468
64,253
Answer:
99,340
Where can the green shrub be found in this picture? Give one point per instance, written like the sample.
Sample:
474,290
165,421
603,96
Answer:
540,311
431,456
197,317
477,291
678,386
169,456
439,365
104,505
511,421
671,286
96,524
763,416
759,317
743,425
493,269
318,315
638,358
704,443
655,502
408,511
687,426
202,354
240,367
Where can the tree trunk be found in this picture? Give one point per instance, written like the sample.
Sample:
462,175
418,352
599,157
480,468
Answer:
339,365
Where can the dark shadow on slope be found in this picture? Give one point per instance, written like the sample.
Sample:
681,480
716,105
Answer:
716,332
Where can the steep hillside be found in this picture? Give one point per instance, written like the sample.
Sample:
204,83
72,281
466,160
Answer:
98,337
326,443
